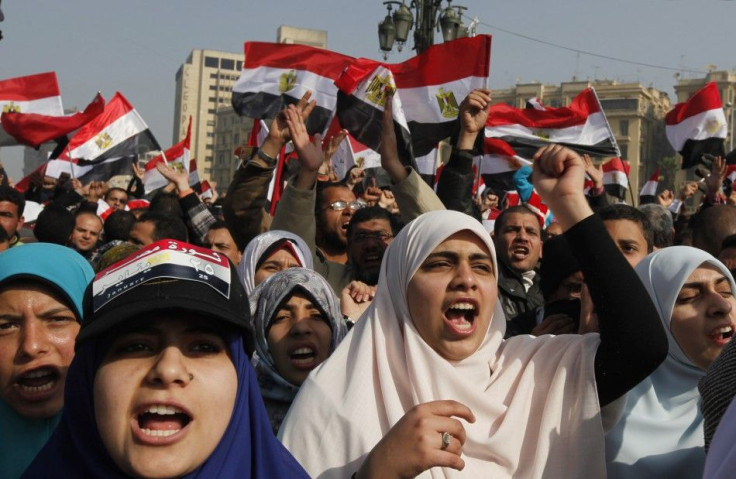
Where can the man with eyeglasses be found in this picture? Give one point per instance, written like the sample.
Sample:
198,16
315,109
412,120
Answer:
334,204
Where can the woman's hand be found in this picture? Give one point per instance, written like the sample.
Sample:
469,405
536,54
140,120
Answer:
414,444
559,176
473,115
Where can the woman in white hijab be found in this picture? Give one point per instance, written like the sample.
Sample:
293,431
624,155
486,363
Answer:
661,431
425,383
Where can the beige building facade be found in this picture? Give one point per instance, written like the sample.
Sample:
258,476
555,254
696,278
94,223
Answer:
231,131
302,36
634,112
204,84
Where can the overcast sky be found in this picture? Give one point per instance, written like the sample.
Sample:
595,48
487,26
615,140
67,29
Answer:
136,46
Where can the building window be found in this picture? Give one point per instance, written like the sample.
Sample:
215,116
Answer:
623,126
211,110
239,66
624,151
236,139
208,147
210,123
213,87
620,104
212,62
213,75
226,64
212,98
210,135
555,103
208,159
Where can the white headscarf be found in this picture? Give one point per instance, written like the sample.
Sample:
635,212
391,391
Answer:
661,431
260,244
534,399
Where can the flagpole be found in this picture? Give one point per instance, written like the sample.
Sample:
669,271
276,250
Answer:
477,177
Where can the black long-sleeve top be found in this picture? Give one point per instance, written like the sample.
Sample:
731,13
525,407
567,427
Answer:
633,342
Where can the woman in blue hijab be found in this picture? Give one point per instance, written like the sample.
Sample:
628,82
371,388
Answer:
661,431
41,291
161,383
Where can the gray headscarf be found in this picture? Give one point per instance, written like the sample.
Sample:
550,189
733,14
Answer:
265,302
262,243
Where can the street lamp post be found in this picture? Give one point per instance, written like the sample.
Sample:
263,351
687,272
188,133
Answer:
397,24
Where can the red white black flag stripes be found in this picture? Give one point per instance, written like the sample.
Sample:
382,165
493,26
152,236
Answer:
275,75
29,94
427,91
34,129
648,192
616,177
101,171
176,157
582,127
698,126
118,131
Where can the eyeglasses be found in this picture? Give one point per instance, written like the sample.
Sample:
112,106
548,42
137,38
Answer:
341,205
362,236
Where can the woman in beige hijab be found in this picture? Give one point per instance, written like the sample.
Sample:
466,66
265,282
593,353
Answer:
426,385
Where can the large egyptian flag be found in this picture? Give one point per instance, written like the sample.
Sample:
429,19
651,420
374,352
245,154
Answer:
698,126
276,74
29,94
582,126
177,157
119,131
428,90
616,177
34,129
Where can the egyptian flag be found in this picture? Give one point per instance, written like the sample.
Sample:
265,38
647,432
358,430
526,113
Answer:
103,209
206,190
194,180
276,75
29,94
535,104
34,129
582,127
258,135
698,126
87,172
648,192
498,164
426,99
616,177
118,131
177,157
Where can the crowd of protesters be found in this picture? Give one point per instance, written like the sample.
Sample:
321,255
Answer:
367,331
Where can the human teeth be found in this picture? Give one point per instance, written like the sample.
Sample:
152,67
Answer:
38,389
725,329
160,432
163,410
464,306
36,374
303,351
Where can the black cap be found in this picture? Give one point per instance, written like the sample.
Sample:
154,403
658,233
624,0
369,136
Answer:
164,276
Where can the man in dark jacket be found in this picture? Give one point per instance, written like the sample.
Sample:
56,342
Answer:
517,236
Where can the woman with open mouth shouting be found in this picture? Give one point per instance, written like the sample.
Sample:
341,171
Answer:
661,431
297,324
161,384
425,385
41,291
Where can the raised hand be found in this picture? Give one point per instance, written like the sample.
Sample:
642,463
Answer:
714,181
310,153
279,129
355,298
180,179
666,198
559,175
473,115
594,172
414,444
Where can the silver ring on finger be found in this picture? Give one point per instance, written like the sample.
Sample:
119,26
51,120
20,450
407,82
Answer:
446,436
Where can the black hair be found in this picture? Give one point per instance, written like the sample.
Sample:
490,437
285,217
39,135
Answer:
373,213
322,186
107,193
118,225
166,204
14,196
728,242
54,225
625,212
501,220
169,227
